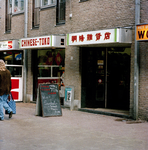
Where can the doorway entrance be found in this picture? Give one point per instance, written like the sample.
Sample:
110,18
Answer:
105,78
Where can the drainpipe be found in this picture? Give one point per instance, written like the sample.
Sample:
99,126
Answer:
136,61
25,52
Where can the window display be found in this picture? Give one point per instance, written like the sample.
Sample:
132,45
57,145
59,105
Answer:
14,57
13,61
51,64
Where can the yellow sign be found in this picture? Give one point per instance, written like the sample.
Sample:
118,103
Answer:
142,32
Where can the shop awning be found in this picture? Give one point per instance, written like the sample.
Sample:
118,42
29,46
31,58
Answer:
50,41
108,36
9,45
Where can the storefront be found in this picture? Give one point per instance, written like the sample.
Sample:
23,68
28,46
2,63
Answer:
48,59
10,53
105,67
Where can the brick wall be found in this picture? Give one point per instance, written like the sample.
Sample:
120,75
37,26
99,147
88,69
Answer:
72,72
100,14
17,27
86,16
143,79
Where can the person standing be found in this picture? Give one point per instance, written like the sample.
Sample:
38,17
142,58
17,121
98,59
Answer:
5,88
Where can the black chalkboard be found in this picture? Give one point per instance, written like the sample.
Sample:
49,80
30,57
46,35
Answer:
49,94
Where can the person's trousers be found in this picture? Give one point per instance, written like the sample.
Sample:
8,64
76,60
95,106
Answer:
3,103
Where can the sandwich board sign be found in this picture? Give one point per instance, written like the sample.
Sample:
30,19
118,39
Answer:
48,102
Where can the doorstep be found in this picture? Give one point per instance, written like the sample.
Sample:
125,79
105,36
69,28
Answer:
109,112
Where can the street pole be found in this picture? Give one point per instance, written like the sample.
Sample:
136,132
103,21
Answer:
25,52
136,61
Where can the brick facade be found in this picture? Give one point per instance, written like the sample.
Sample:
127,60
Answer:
86,16
143,79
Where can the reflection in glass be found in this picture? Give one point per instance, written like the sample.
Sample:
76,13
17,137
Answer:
18,5
15,71
57,72
37,3
44,71
9,6
44,2
14,58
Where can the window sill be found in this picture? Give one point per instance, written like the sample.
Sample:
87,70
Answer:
59,24
18,13
35,28
48,6
80,1
8,32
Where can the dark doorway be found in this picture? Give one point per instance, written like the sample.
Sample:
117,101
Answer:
105,78
35,73
93,77
118,78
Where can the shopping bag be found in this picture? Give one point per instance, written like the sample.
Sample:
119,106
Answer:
11,104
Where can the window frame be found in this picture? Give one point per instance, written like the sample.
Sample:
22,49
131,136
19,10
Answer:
19,4
8,15
36,13
49,4
58,10
82,1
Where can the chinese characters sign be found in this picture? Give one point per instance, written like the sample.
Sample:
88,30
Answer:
92,37
142,32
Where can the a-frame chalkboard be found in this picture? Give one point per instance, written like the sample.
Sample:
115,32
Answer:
50,102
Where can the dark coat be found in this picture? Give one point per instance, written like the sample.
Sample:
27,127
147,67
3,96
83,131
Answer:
5,82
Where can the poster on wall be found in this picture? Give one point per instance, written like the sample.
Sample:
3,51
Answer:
68,94
142,32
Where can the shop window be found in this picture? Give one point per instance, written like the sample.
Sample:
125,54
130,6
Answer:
51,64
36,13
13,57
15,71
8,15
13,61
48,3
17,6
60,11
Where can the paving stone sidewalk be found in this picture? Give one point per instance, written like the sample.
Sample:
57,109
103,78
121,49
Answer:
74,130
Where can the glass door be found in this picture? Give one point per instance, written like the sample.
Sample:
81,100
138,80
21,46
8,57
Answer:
93,77
105,78
100,77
